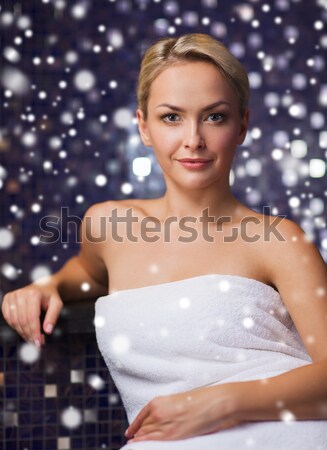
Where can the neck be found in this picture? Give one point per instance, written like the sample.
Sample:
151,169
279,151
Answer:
192,203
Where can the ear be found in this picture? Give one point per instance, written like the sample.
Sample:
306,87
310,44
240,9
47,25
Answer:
143,128
243,127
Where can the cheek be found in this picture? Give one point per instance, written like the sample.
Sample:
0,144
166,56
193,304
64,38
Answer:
227,137
165,139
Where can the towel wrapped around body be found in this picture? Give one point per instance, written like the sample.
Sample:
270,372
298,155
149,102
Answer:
205,330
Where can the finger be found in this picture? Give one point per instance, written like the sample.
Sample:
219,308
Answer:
136,424
53,312
21,310
13,320
5,309
147,429
33,316
154,436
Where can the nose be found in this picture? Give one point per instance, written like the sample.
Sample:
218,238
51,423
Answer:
193,138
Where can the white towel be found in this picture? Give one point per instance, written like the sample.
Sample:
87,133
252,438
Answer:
209,329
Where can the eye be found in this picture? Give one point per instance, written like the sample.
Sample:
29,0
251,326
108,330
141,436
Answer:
167,117
218,117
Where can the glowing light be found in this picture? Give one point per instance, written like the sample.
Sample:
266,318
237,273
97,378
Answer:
113,84
253,167
245,12
9,271
317,206
85,287
287,416
35,208
248,323
126,188
318,25
184,302
171,8
294,202
79,199
6,238
101,180
322,97
15,80
317,120
39,272
71,418
29,353
277,154
280,138
289,177
271,100
71,57
55,142
120,344
256,133
96,382
299,148
299,81
7,18
47,166
218,29
84,80
79,11
142,166
323,139
310,339
298,110
99,322
154,268
224,285
190,18
29,139
11,54
122,118
317,168
35,240
115,38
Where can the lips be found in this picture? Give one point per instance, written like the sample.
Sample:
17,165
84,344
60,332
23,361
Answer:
193,160
195,163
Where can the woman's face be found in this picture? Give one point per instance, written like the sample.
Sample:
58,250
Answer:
193,113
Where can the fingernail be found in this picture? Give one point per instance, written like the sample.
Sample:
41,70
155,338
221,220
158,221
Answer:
37,343
49,328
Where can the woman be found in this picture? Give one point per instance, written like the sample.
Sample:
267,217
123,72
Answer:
217,338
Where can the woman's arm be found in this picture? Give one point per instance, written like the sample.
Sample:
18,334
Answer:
300,394
300,274
83,276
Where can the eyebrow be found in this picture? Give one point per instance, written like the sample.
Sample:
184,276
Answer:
206,108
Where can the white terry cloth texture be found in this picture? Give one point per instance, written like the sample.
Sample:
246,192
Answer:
205,330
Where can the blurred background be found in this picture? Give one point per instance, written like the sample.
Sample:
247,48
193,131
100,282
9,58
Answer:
68,139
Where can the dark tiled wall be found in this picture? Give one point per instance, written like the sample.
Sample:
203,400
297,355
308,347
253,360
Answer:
68,384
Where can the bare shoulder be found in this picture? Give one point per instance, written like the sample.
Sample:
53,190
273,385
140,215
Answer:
96,237
284,245
293,252
269,229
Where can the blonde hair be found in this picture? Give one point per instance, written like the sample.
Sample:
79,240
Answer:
191,47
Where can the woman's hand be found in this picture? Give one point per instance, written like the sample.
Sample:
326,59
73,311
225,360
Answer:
179,416
22,309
